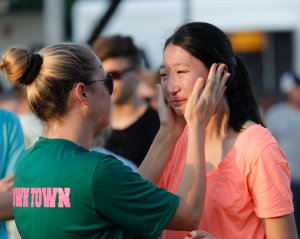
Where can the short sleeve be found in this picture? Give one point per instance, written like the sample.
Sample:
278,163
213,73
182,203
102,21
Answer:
15,142
269,182
131,202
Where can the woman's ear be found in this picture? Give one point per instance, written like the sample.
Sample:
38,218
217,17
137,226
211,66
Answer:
80,93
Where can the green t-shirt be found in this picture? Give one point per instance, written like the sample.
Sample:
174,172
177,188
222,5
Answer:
64,191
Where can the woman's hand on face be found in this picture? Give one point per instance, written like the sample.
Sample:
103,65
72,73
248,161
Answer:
199,234
168,118
206,95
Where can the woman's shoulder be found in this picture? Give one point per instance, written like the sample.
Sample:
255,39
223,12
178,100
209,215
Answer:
253,133
255,146
254,140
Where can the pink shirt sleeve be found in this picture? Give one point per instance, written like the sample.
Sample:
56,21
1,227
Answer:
269,181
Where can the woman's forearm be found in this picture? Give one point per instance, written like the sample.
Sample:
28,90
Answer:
193,184
158,154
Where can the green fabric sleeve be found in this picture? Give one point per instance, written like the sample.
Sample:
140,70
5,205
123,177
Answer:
134,204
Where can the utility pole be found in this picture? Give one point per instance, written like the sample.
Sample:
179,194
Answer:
54,21
186,9
103,21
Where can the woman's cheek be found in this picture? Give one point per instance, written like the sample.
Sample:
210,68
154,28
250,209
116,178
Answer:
164,87
189,86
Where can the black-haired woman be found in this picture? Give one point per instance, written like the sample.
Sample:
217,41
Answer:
248,181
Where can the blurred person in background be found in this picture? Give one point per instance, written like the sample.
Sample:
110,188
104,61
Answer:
133,122
8,100
283,119
14,100
11,149
32,127
147,88
98,146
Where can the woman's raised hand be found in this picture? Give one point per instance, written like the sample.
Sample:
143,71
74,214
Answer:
206,95
168,118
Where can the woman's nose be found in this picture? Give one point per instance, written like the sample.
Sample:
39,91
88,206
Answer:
172,87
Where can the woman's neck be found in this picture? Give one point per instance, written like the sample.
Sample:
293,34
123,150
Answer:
218,126
73,129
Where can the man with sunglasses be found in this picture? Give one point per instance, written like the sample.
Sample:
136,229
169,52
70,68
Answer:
133,122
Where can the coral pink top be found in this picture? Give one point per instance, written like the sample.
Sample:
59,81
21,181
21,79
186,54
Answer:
251,182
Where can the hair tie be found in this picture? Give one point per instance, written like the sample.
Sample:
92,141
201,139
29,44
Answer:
35,62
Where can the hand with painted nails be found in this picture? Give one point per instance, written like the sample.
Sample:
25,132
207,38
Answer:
199,234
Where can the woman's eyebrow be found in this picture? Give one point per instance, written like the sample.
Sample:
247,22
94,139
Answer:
175,64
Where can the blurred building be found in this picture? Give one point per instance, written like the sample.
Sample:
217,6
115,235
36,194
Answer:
31,23
266,33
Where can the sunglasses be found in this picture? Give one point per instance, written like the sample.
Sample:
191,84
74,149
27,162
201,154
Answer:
108,82
117,75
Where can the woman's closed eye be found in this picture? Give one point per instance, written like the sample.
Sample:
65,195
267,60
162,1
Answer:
163,75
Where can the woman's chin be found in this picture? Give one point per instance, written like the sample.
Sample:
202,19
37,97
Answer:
179,112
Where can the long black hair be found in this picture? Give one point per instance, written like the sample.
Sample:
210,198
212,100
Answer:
211,45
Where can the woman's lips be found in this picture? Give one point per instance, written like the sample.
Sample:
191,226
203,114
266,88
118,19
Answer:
177,101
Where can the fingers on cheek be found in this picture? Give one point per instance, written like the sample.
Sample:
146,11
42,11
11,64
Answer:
200,82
